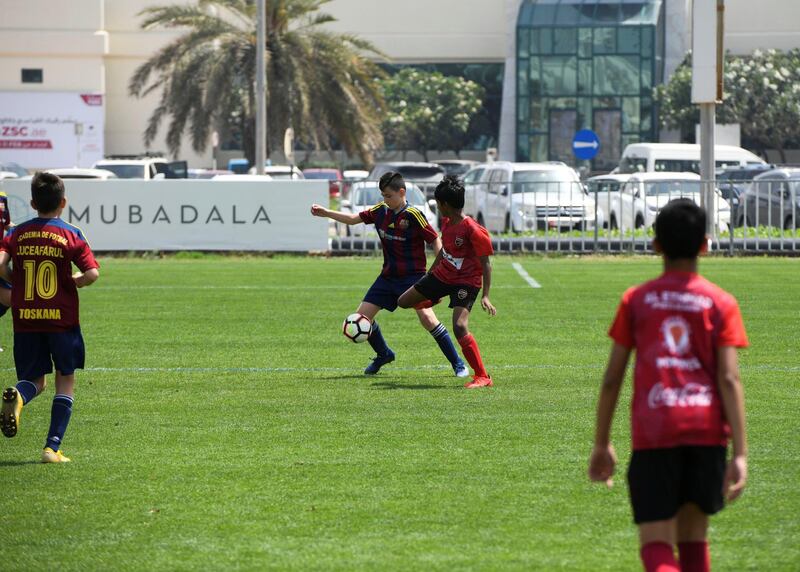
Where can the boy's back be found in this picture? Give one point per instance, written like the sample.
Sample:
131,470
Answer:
676,323
44,294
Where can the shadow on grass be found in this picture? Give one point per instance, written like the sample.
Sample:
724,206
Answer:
394,385
18,463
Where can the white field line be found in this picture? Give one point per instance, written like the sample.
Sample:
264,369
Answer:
525,276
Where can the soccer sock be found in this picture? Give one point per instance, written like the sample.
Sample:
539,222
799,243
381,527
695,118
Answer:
377,342
27,390
659,557
694,556
470,349
59,419
442,337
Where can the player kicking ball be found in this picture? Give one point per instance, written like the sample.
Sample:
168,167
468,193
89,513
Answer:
404,231
460,269
687,398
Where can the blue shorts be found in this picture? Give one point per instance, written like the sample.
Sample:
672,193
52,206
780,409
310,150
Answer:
35,353
384,292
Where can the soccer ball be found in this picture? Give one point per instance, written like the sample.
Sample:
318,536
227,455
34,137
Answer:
357,328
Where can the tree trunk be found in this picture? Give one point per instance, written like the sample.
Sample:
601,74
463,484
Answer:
782,153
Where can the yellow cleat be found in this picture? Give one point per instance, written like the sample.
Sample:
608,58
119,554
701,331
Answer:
9,411
50,456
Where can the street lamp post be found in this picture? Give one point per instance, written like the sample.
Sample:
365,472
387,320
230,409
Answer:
261,87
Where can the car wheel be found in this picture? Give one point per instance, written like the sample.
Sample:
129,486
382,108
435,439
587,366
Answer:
787,224
639,223
507,225
613,222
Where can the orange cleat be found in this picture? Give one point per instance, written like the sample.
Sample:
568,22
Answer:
479,381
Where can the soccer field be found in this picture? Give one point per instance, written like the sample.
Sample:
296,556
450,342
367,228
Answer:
223,421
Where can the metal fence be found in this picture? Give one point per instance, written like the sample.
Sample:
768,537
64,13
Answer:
614,216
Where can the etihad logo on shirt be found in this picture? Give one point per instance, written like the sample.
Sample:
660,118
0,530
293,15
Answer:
676,335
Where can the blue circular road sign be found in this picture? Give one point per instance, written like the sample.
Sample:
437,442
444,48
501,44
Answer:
585,144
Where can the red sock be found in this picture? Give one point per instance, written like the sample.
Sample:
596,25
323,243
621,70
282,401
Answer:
694,556
470,348
659,557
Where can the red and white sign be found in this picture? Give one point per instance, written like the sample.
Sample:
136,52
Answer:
45,130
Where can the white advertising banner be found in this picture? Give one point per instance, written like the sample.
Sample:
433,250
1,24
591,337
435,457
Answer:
47,130
188,214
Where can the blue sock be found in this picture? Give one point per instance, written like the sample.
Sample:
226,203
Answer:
442,337
59,419
27,390
377,342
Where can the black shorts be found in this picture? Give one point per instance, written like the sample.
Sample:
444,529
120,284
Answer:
462,295
660,481
36,352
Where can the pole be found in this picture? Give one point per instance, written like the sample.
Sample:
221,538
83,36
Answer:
261,87
707,174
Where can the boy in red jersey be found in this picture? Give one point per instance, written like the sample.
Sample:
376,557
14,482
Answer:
45,309
5,224
404,231
687,398
460,269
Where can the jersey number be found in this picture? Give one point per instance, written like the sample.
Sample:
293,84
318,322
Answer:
43,279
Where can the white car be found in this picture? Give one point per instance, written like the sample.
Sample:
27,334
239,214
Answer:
79,173
365,195
281,172
516,197
147,168
637,201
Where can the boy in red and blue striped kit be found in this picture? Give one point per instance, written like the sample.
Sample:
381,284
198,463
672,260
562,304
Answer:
45,309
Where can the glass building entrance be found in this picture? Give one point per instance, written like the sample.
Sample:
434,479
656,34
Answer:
587,64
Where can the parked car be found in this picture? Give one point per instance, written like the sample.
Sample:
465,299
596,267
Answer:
366,194
280,172
8,175
351,176
333,176
679,157
208,173
235,177
516,197
773,199
733,181
425,175
456,167
79,173
147,168
239,166
643,195
12,167
605,190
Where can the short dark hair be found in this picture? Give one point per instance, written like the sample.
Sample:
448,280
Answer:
450,190
392,179
681,229
47,190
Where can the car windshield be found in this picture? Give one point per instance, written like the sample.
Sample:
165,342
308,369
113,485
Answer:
672,187
456,168
542,181
123,171
280,176
327,175
13,168
632,165
419,173
372,196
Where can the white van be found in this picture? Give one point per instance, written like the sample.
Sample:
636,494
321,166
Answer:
679,157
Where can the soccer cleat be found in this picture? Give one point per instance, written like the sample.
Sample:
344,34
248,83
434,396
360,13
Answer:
479,381
50,456
378,362
9,412
461,370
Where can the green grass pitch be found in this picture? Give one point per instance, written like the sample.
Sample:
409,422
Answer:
223,423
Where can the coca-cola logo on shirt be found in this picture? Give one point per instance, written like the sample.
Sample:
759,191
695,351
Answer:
690,395
459,241
676,334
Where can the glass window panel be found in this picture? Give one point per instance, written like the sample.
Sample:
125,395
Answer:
630,114
647,76
546,41
559,75
522,78
538,148
605,40
522,111
629,40
563,125
607,125
524,146
539,108
544,15
607,13
565,40
647,42
585,77
563,102
523,43
616,75
607,102
536,76
535,39
646,105
585,42
570,15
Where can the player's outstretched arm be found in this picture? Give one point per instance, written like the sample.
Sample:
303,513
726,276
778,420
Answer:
603,458
86,278
346,218
486,265
732,394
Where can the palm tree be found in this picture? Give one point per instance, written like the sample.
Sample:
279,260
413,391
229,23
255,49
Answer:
319,82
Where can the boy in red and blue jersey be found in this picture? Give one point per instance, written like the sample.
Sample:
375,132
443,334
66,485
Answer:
45,309
5,224
404,231
460,270
687,398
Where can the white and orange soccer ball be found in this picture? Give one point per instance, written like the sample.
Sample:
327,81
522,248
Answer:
357,328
